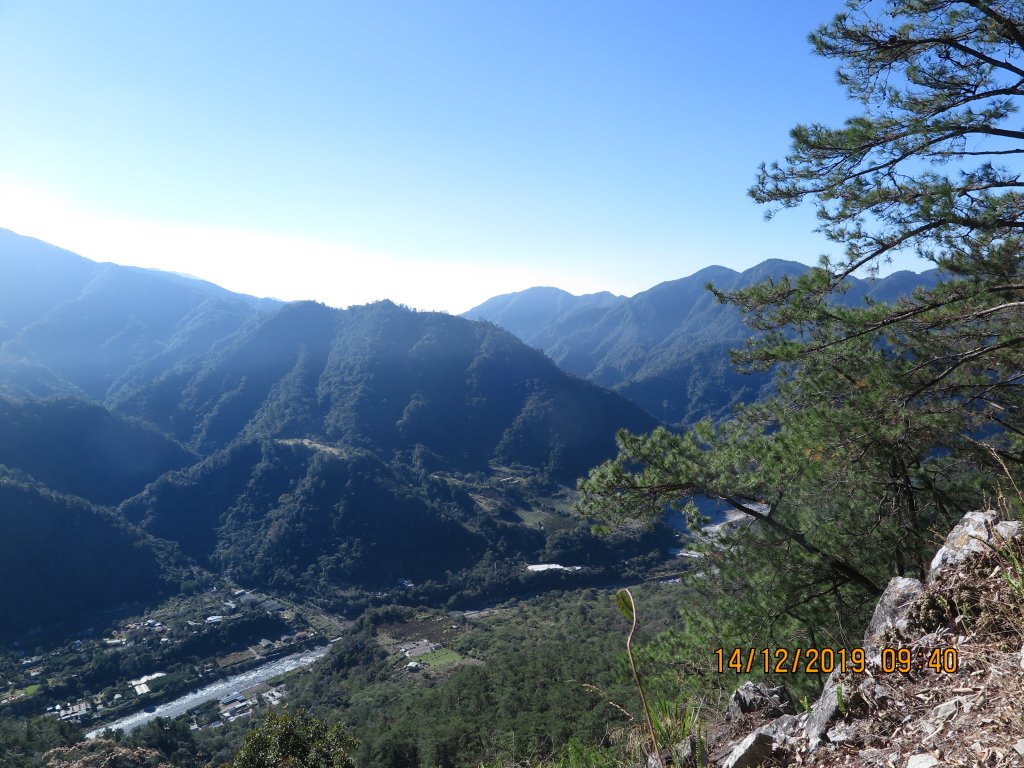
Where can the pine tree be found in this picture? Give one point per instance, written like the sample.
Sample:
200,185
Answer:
294,740
890,420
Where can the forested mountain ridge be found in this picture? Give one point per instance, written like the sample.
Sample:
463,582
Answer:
529,313
69,325
82,449
294,447
266,511
348,449
207,367
886,423
667,348
436,389
65,561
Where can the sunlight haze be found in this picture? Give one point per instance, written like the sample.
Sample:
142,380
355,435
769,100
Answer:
435,154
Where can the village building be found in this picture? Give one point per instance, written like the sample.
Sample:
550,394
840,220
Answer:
420,648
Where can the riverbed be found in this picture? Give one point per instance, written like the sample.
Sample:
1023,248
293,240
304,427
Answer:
219,690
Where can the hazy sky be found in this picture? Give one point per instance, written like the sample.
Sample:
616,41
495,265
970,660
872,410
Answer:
434,152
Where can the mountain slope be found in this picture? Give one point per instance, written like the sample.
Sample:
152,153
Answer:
528,313
73,326
62,560
82,449
667,348
348,449
438,388
327,451
290,513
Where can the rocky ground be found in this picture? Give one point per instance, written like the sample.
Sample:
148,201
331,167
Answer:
972,604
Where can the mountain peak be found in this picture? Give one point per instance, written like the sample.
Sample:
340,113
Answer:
528,313
666,348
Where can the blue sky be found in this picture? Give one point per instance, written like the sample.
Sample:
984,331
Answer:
432,152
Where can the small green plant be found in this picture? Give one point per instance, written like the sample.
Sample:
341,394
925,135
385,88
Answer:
664,716
805,703
578,755
1013,574
676,723
575,754
667,721
1010,556
626,604
840,703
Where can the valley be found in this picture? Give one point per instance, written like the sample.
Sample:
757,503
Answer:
245,482
370,512
233,482
355,526
406,651
138,663
214,627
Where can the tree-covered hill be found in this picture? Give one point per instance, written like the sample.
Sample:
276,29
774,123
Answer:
296,516
435,389
83,449
304,518
63,560
298,448
666,349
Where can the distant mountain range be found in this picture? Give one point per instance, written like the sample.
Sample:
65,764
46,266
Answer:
665,349
72,326
289,446
456,394
155,427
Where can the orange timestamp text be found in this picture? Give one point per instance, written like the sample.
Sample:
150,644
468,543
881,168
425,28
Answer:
828,660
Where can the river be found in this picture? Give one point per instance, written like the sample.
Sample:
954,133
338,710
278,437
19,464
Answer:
219,690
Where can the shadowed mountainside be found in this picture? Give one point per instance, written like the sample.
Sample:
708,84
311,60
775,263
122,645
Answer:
665,349
291,513
83,449
436,389
63,559
297,447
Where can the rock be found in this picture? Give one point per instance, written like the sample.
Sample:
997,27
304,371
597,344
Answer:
978,531
757,697
692,754
948,709
939,638
891,611
785,728
750,752
877,695
823,712
872,758
796,735
843,733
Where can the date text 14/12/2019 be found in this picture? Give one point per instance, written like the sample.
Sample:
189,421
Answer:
827,660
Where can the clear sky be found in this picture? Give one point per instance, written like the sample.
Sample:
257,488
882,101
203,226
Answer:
434,152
